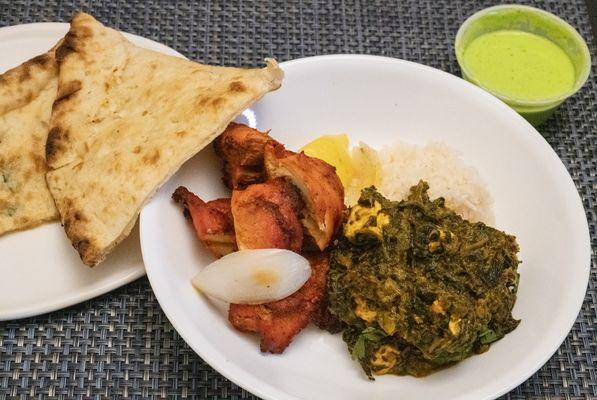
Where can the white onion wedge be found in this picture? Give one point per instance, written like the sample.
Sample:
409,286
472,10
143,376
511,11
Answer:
254,276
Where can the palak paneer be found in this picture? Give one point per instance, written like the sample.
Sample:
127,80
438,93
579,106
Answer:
417,287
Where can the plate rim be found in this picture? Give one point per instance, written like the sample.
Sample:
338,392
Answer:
71,300
14,32
246,380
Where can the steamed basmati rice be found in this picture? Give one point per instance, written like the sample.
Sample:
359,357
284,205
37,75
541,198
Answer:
403,165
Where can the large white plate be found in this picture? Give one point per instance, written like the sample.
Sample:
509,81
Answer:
39,269
379,100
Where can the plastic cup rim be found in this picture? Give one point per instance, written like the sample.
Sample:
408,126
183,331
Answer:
543,103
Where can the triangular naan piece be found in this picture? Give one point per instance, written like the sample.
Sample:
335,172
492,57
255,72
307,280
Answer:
26,96
125,119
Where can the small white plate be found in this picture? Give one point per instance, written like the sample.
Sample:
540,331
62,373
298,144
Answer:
39,269
380,100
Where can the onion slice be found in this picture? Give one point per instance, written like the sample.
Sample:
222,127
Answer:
254,276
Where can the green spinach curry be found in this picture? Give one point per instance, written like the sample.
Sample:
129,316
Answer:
417,287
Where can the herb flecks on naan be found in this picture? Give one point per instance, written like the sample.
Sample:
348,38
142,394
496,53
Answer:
26,96
125,120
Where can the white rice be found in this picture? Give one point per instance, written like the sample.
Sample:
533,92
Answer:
403,165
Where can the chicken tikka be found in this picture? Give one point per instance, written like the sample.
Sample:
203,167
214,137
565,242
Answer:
280,199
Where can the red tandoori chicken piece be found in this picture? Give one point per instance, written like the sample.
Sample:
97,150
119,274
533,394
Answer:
319,185
212,221
266,215
279,322
241,149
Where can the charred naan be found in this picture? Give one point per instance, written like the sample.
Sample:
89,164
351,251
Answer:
26,96
125,119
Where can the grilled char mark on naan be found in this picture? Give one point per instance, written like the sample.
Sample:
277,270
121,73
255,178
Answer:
125,119
24,83
26,96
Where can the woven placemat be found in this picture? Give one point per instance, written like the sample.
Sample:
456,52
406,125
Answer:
121,345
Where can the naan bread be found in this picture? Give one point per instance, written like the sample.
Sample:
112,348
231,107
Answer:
26,96
125,119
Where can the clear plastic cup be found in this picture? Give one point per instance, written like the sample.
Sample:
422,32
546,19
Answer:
532,20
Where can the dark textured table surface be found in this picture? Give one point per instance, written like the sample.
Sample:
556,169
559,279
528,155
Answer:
121,345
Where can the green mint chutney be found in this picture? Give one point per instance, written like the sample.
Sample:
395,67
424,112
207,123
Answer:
519,65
